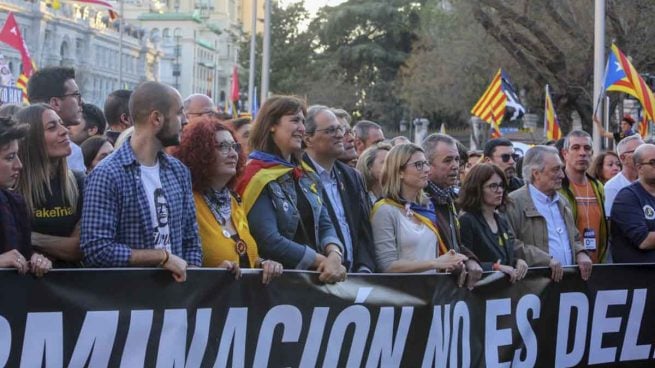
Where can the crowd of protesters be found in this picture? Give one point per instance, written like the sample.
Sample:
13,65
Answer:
158,180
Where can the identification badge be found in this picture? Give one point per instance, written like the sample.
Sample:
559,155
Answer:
589,238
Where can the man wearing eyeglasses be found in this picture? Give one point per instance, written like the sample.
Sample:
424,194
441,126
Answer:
585,195
197,107
343,187
633,213
56,87
349,155
500,151
628,175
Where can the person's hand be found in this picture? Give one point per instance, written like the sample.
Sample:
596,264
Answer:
474,273
270,270
451,261
556,270
177,266
507,270
39,265
521,269
13,259
584,263
233,267
331,269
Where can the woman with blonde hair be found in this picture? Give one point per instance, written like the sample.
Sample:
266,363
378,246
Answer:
403,221
370,164
52,191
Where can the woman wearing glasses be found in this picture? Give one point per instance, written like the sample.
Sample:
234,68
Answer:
485,230
213,157
282,196
403,221
52,191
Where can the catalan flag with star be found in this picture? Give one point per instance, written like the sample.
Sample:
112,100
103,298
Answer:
621,76
10,34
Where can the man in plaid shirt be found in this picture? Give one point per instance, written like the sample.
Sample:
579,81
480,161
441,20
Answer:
138,203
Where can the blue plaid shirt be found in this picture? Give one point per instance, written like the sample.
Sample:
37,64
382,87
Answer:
116,216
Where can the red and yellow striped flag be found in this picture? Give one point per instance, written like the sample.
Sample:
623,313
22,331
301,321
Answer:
491,106
632,83
643,126
551,123
494,131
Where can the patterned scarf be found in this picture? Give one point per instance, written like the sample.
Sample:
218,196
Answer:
220,203
441,196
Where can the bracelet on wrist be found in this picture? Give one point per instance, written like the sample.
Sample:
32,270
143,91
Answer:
166,258
337,251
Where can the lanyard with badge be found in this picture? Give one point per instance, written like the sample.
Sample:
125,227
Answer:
588,233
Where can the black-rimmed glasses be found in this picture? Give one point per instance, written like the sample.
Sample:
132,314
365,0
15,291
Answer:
419,165
77,95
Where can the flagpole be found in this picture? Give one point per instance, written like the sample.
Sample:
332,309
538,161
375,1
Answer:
266,58
546,113
599,58
253,41
120,45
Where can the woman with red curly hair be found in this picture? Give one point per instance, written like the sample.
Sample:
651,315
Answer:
214,158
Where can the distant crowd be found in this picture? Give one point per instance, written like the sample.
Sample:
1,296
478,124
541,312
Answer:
155,180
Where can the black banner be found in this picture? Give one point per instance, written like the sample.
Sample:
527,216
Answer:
135,318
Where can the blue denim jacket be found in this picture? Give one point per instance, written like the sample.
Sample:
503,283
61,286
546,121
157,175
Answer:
274,219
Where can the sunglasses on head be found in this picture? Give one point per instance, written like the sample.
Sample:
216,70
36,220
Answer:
506,156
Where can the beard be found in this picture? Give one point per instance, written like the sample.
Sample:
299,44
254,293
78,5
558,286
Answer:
167,137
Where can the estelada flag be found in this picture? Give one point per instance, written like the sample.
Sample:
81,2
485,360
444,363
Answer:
621,76
262,168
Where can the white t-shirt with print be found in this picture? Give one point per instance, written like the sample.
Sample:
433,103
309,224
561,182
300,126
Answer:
159,210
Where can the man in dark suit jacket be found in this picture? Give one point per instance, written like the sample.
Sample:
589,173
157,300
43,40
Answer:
342,186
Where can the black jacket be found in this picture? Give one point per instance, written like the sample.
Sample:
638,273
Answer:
356,204
486,246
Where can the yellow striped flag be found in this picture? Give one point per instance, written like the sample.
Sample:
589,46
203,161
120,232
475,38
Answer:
491,106
643,126
621,76
551,123
494,131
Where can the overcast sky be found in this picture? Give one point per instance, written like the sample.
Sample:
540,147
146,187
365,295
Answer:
313,5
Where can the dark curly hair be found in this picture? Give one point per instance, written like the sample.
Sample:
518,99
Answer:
471,192
197,151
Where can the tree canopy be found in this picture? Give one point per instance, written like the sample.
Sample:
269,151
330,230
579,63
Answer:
395,59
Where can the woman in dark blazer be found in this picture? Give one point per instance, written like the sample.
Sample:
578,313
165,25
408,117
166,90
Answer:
484,229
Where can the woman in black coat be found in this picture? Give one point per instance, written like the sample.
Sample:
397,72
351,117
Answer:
484,229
